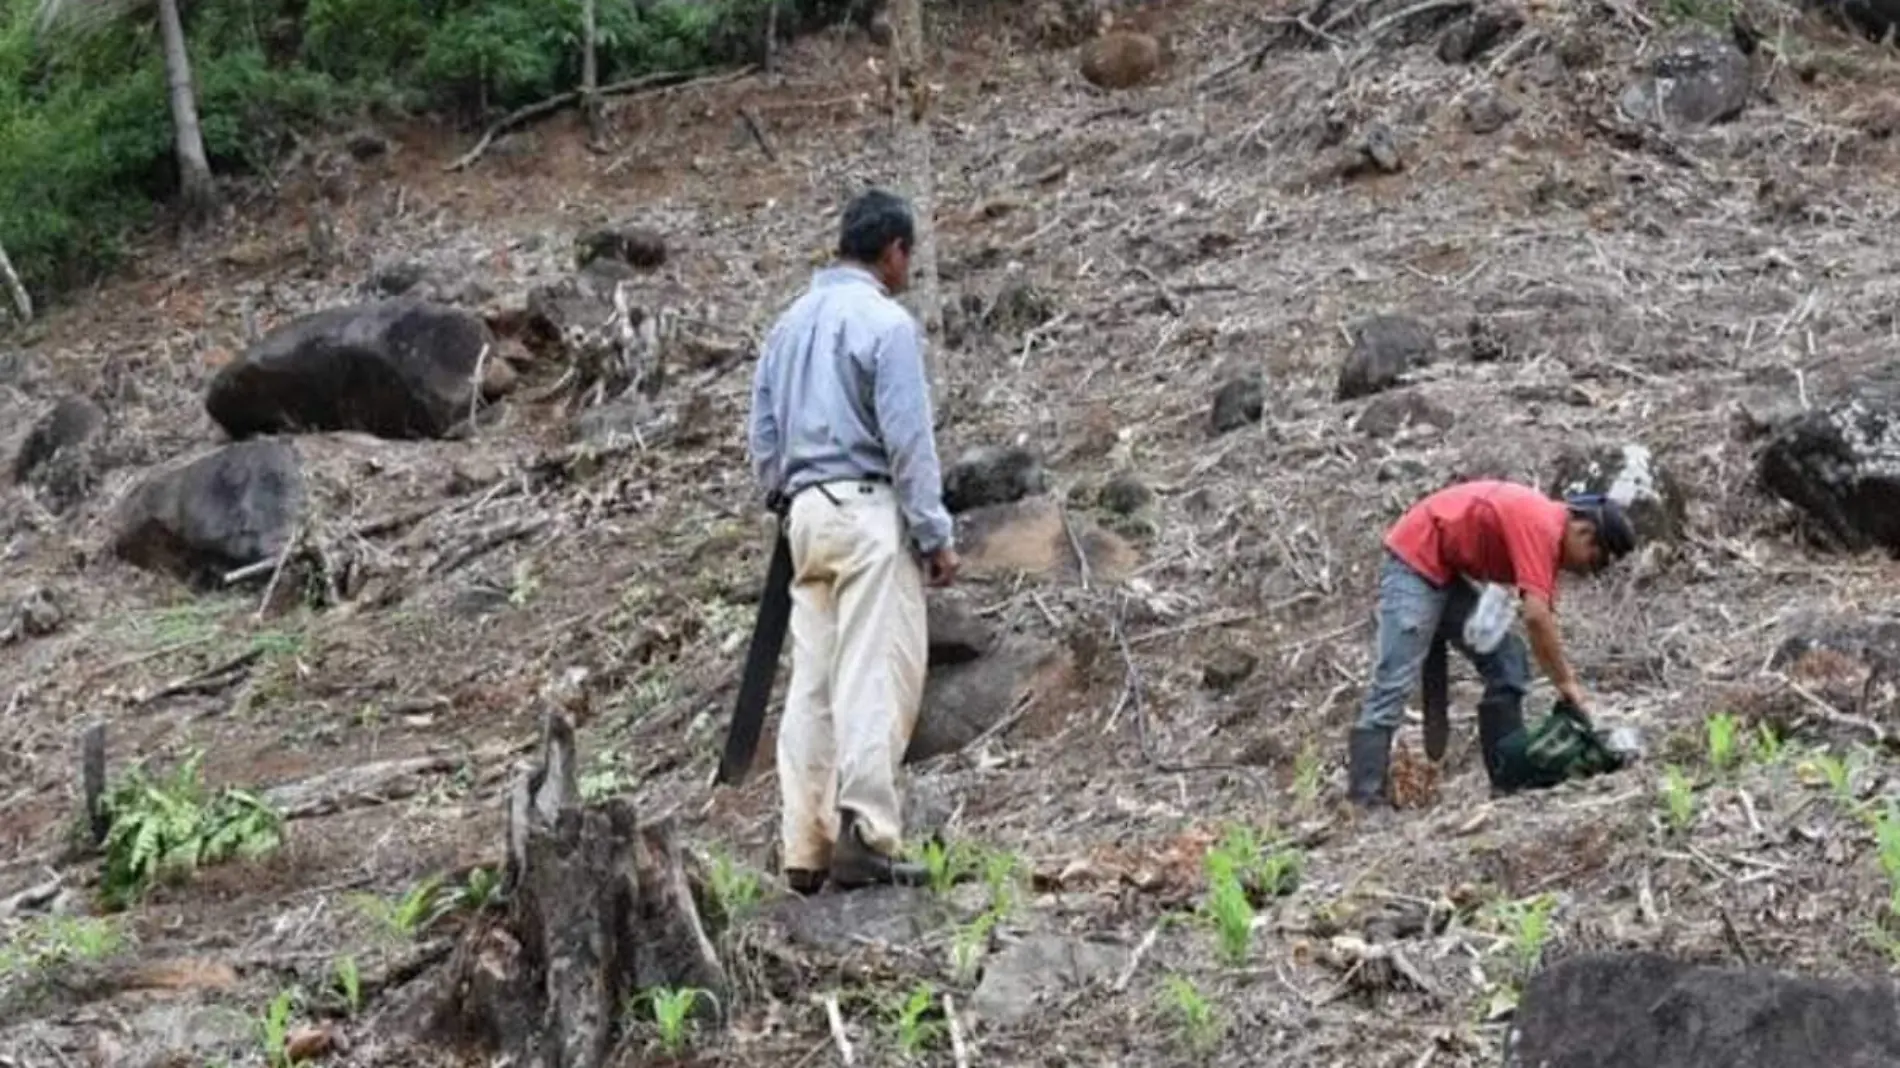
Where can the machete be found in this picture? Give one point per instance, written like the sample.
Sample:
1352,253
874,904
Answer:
761,663
1437,701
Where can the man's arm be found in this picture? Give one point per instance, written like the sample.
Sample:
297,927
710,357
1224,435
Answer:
904,422
1540,622
762,430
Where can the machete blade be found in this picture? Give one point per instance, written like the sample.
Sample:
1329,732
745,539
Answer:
1437,701
761,665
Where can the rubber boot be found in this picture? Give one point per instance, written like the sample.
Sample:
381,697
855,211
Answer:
805,881
1499,715
855,864
1370,752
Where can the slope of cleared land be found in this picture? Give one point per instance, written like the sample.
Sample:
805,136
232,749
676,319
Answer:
1590,284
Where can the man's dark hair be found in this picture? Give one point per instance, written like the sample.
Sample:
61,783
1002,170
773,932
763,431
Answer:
873,220
1614,532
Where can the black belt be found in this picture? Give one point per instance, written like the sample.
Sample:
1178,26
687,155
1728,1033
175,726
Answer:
780,504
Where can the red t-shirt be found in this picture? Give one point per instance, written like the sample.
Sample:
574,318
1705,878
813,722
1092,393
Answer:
1491,531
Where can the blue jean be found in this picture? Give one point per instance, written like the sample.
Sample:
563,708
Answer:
1412,612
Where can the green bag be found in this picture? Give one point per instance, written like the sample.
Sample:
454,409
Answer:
1561,746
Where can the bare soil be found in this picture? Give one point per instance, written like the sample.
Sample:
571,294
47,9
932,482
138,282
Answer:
1643,287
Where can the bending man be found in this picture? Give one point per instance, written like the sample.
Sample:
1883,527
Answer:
1486,531
840,439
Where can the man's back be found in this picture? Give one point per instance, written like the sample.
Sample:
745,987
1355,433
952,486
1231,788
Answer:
840,394
1490,530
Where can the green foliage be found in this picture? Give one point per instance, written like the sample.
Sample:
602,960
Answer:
273,1028
1724,735
736,890
44,942
349,983
1678,798
1200,1025
409,915
166,827
915,1030
672,1009
85,127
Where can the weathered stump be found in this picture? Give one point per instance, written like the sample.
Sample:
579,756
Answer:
599,908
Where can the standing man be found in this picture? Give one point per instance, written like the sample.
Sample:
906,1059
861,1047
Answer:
840,439
1487,531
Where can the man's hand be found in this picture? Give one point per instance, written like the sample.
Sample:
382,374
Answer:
941,567
1572,692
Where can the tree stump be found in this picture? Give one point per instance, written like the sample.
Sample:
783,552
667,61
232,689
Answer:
598,909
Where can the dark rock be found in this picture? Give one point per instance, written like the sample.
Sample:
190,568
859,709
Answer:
1384,348
1031,976
1841,467
366,145
396,279
35,616
1227,668
993,475
843,924
957,634
1483,341
235,506
1631,476
395,369
1387,414
635,246
1614,1010
1019,305
929,804
561,318
1471,37
58,456
964,700
1125,494
1700,79
1240,401
1490,111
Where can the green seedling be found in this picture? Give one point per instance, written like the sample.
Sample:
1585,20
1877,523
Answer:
1527,924
1836,772
1768,744
945,864
409,915
1002,874
44,942
968,945
1678,798
1200,1025
273,1028
672,1009
736,890
1887,837
480,891
1233,915
1724,732
349,983
915,1030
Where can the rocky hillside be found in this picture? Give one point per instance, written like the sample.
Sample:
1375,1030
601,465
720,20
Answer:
1221,300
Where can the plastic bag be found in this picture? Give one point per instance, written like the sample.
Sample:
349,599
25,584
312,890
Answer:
1490,620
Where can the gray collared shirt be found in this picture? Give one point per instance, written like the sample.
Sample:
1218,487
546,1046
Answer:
839,393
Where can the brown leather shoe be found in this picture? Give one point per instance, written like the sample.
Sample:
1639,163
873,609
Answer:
855,864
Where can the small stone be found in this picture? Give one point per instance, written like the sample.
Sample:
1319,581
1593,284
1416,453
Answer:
1019,305
309,1043
1120,59
1382,149
366,145
636,246
1490,111
1700,79
1125,494
1384,348
1240,401
1388,414
1229,667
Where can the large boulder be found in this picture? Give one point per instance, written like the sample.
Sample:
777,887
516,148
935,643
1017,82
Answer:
1616,1010
394,368
57,457
1700,79
1384,348
957,634
1841,466
236,506
962,701
1035,536
1631,476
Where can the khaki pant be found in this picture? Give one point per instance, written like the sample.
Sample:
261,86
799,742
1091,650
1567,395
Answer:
858,658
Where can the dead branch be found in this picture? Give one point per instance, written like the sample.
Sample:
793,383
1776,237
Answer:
758,129
647,84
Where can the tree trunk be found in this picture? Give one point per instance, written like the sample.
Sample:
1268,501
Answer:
200,195
21,302
599,908
590,77
911,107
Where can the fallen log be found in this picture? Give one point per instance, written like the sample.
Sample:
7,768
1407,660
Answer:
598,908
663,81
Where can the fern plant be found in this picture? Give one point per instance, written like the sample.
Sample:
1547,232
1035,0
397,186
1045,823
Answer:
167,826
